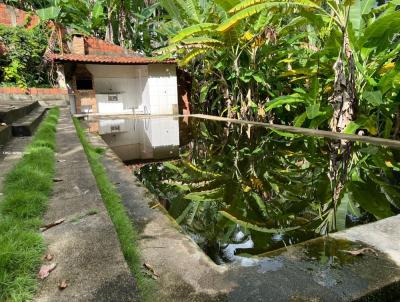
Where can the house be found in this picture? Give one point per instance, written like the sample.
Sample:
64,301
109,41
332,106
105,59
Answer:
107,79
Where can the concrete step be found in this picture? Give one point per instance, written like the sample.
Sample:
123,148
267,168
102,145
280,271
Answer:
5,135
27,125
12,111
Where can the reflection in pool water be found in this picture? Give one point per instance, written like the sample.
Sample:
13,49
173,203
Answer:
242,190
140,139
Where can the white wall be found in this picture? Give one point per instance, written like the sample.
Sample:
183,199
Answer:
149,88
163,89
127,81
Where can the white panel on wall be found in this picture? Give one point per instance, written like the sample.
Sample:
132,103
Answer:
163,88
129,82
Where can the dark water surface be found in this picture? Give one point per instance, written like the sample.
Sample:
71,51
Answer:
241,190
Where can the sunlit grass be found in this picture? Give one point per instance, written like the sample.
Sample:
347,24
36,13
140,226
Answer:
27,188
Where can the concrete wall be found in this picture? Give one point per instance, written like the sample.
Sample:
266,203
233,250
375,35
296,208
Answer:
126,82
163,89
140,88
46,96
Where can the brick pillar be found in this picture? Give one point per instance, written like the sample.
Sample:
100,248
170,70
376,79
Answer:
184,89
78,45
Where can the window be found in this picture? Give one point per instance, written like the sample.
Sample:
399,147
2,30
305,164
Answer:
84,84
113,98
115,128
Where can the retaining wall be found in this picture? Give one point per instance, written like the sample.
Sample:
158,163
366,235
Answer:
45,96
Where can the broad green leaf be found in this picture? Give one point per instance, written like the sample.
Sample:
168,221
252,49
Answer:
370,199
367,5
357,10
283,100
98,10
192,55
248,3
203,93
312,111
258,79
355,16
380,33
172,167
245,10
201,41
300,119
388,128
351,128
373,97
227,4
341,212
255,227
49,13
260,203
211,195
192,30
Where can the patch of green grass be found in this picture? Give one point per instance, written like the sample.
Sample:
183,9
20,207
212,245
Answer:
127,234
27,188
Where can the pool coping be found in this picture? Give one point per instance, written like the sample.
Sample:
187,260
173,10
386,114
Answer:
187,274
291,129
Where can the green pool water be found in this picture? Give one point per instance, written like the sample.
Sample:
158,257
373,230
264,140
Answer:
243,190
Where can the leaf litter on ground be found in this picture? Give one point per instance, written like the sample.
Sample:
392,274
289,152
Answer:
63,284
151,270
52,224
46,269
361,251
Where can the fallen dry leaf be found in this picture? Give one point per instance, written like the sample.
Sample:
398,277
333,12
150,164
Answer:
48,257
45,270
63,284
50,225
151,269
361,251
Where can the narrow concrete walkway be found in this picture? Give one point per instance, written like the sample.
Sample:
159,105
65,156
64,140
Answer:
85,246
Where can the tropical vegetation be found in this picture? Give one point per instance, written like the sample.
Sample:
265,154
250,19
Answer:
259,189
22,63
331,65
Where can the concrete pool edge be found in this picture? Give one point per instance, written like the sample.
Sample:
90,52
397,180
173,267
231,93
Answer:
187,274
291,129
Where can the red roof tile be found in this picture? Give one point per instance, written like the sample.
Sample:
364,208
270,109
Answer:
104,59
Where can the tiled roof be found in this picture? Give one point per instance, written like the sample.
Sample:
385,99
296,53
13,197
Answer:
104,59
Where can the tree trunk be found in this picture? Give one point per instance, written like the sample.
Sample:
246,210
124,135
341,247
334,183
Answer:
109,29
344,104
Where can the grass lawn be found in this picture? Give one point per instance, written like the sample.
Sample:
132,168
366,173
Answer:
126,232
27,188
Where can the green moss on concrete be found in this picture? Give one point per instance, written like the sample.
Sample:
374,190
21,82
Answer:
26,191
126,232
